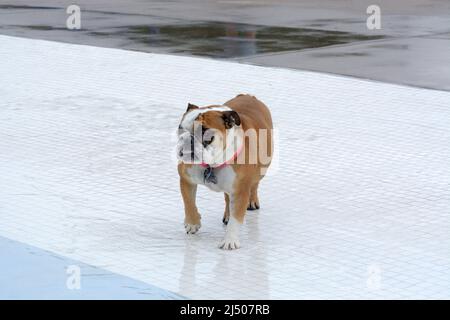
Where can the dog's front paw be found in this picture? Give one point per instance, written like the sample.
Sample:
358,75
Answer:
230,243
192,228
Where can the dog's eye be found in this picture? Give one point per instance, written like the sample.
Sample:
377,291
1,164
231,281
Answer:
208,142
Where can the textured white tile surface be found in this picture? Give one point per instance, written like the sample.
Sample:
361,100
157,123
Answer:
358,206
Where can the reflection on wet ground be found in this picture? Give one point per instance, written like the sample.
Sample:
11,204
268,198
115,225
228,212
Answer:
228,40
157,34
14,6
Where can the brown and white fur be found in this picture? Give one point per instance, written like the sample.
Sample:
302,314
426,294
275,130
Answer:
238,181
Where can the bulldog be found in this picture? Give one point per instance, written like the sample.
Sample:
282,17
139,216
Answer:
227,148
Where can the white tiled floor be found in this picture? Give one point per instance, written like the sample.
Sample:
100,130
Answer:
357,207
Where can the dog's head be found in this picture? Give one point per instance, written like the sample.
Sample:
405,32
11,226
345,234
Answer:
203,133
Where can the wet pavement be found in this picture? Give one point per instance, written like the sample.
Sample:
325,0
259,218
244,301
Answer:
406,61
327,36
173,36
227,40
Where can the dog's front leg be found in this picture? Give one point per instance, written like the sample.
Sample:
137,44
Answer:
191,216
238,206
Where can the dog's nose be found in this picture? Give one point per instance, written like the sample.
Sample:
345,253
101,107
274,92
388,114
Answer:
180,153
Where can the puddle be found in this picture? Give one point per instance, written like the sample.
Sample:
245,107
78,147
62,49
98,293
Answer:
13,6
164,35
230,40
39,27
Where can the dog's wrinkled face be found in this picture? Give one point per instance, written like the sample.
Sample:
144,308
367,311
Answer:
202,133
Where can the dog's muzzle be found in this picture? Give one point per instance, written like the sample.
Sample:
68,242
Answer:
186,147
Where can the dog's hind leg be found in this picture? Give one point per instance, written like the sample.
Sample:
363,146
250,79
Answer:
238,204
226,214
253,203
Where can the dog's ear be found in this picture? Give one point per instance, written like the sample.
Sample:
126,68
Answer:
191,107
231,118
